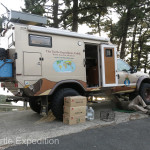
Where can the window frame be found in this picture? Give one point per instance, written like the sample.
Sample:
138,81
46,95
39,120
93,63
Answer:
111,52
38,45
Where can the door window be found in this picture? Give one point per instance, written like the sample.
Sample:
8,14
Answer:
109,52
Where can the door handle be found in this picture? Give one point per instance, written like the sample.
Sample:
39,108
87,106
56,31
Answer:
41,58
118,76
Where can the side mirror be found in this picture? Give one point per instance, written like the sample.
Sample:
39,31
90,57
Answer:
134,69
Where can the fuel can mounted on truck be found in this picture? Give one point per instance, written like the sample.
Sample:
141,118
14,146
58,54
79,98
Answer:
6,68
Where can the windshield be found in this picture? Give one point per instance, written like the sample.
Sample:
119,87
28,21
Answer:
122,66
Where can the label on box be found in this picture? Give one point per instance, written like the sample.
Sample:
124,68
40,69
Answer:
74,111
75,101
73,120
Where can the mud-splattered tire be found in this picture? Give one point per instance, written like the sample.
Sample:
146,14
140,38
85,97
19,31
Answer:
3,54
145,87
58,101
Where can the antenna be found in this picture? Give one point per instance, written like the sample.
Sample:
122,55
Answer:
5,7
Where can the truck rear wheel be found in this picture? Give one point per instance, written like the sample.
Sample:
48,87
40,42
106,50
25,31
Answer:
58,101
145,92
3,54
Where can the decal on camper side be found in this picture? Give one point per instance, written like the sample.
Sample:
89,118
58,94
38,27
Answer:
127,81
64,66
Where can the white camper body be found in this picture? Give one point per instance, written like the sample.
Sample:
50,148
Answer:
40,50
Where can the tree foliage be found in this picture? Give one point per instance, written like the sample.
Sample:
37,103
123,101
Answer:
35,6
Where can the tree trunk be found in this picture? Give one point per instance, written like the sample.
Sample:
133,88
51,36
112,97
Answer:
75,16
140,46
118,43
139,53
55,13
125,31
98,24
111,31
133,44
145,65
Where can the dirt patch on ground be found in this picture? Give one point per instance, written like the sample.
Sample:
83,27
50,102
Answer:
49,118
134,116
5,146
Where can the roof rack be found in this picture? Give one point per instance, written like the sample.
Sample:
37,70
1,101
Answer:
26,18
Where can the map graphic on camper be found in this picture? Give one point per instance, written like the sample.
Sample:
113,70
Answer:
64,66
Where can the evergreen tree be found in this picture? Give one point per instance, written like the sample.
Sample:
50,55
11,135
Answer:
35,6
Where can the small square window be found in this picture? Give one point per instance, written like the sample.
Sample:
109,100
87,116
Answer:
109,53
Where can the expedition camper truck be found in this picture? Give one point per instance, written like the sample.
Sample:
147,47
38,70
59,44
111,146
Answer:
47,64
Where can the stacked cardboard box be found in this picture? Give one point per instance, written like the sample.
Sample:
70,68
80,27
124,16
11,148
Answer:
74,109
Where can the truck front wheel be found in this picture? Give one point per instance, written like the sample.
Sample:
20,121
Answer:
58,101
145,92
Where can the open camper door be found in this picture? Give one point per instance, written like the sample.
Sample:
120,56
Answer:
109,65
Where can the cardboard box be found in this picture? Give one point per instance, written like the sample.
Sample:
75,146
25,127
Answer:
74,111
74,119
75,101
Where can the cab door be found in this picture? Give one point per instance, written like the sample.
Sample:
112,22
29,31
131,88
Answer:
125,77
109,66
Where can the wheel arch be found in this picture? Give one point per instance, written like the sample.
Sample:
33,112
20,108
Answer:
76,85
141,80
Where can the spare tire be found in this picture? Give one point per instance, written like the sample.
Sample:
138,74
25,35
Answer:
145,92
3,54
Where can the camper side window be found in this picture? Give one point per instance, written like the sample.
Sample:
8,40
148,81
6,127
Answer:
41,41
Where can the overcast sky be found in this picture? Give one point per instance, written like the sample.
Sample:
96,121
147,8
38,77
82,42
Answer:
11,5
